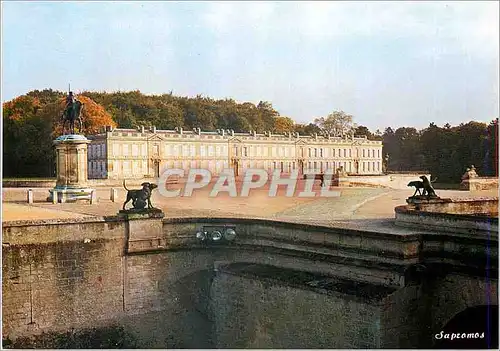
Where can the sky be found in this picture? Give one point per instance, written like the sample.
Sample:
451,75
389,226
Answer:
386,63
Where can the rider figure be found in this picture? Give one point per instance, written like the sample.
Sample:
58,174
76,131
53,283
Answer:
70,99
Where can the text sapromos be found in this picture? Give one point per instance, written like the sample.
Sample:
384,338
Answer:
452,336
253,179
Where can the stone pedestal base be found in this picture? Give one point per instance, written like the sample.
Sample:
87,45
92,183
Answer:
65,194
423,203
71,159
144,229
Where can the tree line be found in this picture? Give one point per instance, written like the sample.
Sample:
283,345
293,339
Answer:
30,123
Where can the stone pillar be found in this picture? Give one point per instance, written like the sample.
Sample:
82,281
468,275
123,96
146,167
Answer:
93,197
113,195
30,196
71,162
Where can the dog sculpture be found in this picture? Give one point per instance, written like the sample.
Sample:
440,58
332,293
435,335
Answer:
419,187
140,197
428,189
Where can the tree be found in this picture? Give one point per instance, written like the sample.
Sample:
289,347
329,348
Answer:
267,114
94,116
250,112
337,123
229,118
309,129
491,146
170,116
363,131
27,139
283,124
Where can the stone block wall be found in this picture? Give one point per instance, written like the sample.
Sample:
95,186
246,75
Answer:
467,206
393,181
479,226
60,285
59,275
250,313
404,319
479,183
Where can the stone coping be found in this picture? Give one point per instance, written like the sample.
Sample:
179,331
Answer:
346,229
404,209
453,199
57,221
386,229
473,199
481,178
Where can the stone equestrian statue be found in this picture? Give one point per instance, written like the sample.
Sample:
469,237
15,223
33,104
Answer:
72,113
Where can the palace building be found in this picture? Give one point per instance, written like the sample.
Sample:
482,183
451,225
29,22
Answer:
140,153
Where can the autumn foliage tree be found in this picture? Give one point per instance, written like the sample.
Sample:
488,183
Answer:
94,116
30,126
27,143
283,124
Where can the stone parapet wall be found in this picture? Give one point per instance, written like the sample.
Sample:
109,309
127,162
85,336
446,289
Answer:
170,290
487,206
393,181
444,222
13,183
60,274
479,183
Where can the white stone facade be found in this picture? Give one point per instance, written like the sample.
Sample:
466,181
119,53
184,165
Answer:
136,154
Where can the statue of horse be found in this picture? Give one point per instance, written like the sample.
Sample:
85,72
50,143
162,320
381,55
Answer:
71,114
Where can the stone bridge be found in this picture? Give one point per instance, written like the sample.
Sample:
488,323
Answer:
268,285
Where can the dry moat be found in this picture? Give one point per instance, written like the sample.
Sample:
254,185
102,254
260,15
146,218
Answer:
151,282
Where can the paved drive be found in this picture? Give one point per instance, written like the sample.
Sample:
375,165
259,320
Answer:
353,204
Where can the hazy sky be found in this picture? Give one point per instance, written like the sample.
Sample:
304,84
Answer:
387,63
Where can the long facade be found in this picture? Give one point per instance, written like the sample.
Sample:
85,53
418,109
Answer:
141,153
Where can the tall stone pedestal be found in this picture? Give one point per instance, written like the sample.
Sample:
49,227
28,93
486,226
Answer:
144,229
424,203
71,159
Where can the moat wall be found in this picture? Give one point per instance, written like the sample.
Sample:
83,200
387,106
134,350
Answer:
77,275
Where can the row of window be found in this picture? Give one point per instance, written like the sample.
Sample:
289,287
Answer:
190,150
97,169
327,152
96,151
141,167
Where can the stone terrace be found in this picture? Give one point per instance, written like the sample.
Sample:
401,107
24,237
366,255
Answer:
362,205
